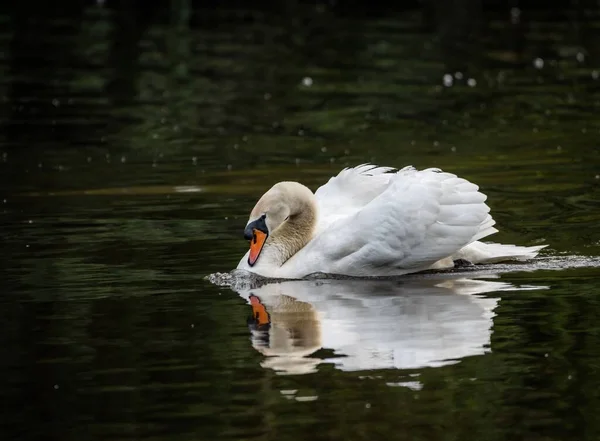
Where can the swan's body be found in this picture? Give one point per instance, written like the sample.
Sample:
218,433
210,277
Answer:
373,221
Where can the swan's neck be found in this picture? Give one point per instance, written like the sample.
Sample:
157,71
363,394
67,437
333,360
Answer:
295,232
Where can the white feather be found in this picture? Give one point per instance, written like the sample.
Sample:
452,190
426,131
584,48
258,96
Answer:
374,221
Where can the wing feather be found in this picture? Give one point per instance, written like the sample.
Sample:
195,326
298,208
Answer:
348,192
407,221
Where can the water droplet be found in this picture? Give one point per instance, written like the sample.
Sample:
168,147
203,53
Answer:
584,130
538,63
595,74
89,159
559,148
471,82
55,102
453,149
535,130
368,405
323,149
123,159
346,152
436,143
458,75
580,57
267,96
546,355
26,246
244,138
307,81
597,176
194,160
55,386
155,136
413,142
192,325
39,165
153,164
569,377
515,15
236,146
229,167
332,160
297,161
447,80
5,201
300,132
29,221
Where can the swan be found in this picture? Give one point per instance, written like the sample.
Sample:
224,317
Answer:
370,221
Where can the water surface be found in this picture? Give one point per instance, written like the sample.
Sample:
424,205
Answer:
135,144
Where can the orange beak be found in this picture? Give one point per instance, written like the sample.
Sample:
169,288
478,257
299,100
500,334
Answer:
256,245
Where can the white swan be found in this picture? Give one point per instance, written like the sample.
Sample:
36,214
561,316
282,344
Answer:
373,221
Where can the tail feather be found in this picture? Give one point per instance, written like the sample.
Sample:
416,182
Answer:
480,252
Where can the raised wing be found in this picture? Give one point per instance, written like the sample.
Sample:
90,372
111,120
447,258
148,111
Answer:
349,191
417,219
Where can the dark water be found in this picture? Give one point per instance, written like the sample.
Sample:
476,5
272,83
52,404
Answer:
134,145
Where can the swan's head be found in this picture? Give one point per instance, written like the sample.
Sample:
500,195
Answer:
273,210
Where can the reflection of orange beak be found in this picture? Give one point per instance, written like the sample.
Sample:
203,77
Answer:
259,312
256,245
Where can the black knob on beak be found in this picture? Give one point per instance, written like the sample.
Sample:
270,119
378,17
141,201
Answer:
258,224
248,232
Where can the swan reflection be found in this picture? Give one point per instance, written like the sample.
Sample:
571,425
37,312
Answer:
368,324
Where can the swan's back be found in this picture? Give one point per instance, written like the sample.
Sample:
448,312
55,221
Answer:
348,192
373,222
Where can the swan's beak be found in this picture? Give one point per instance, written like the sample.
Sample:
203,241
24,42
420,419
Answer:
256,245
256,232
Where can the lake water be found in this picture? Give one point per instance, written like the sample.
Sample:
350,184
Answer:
135,144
